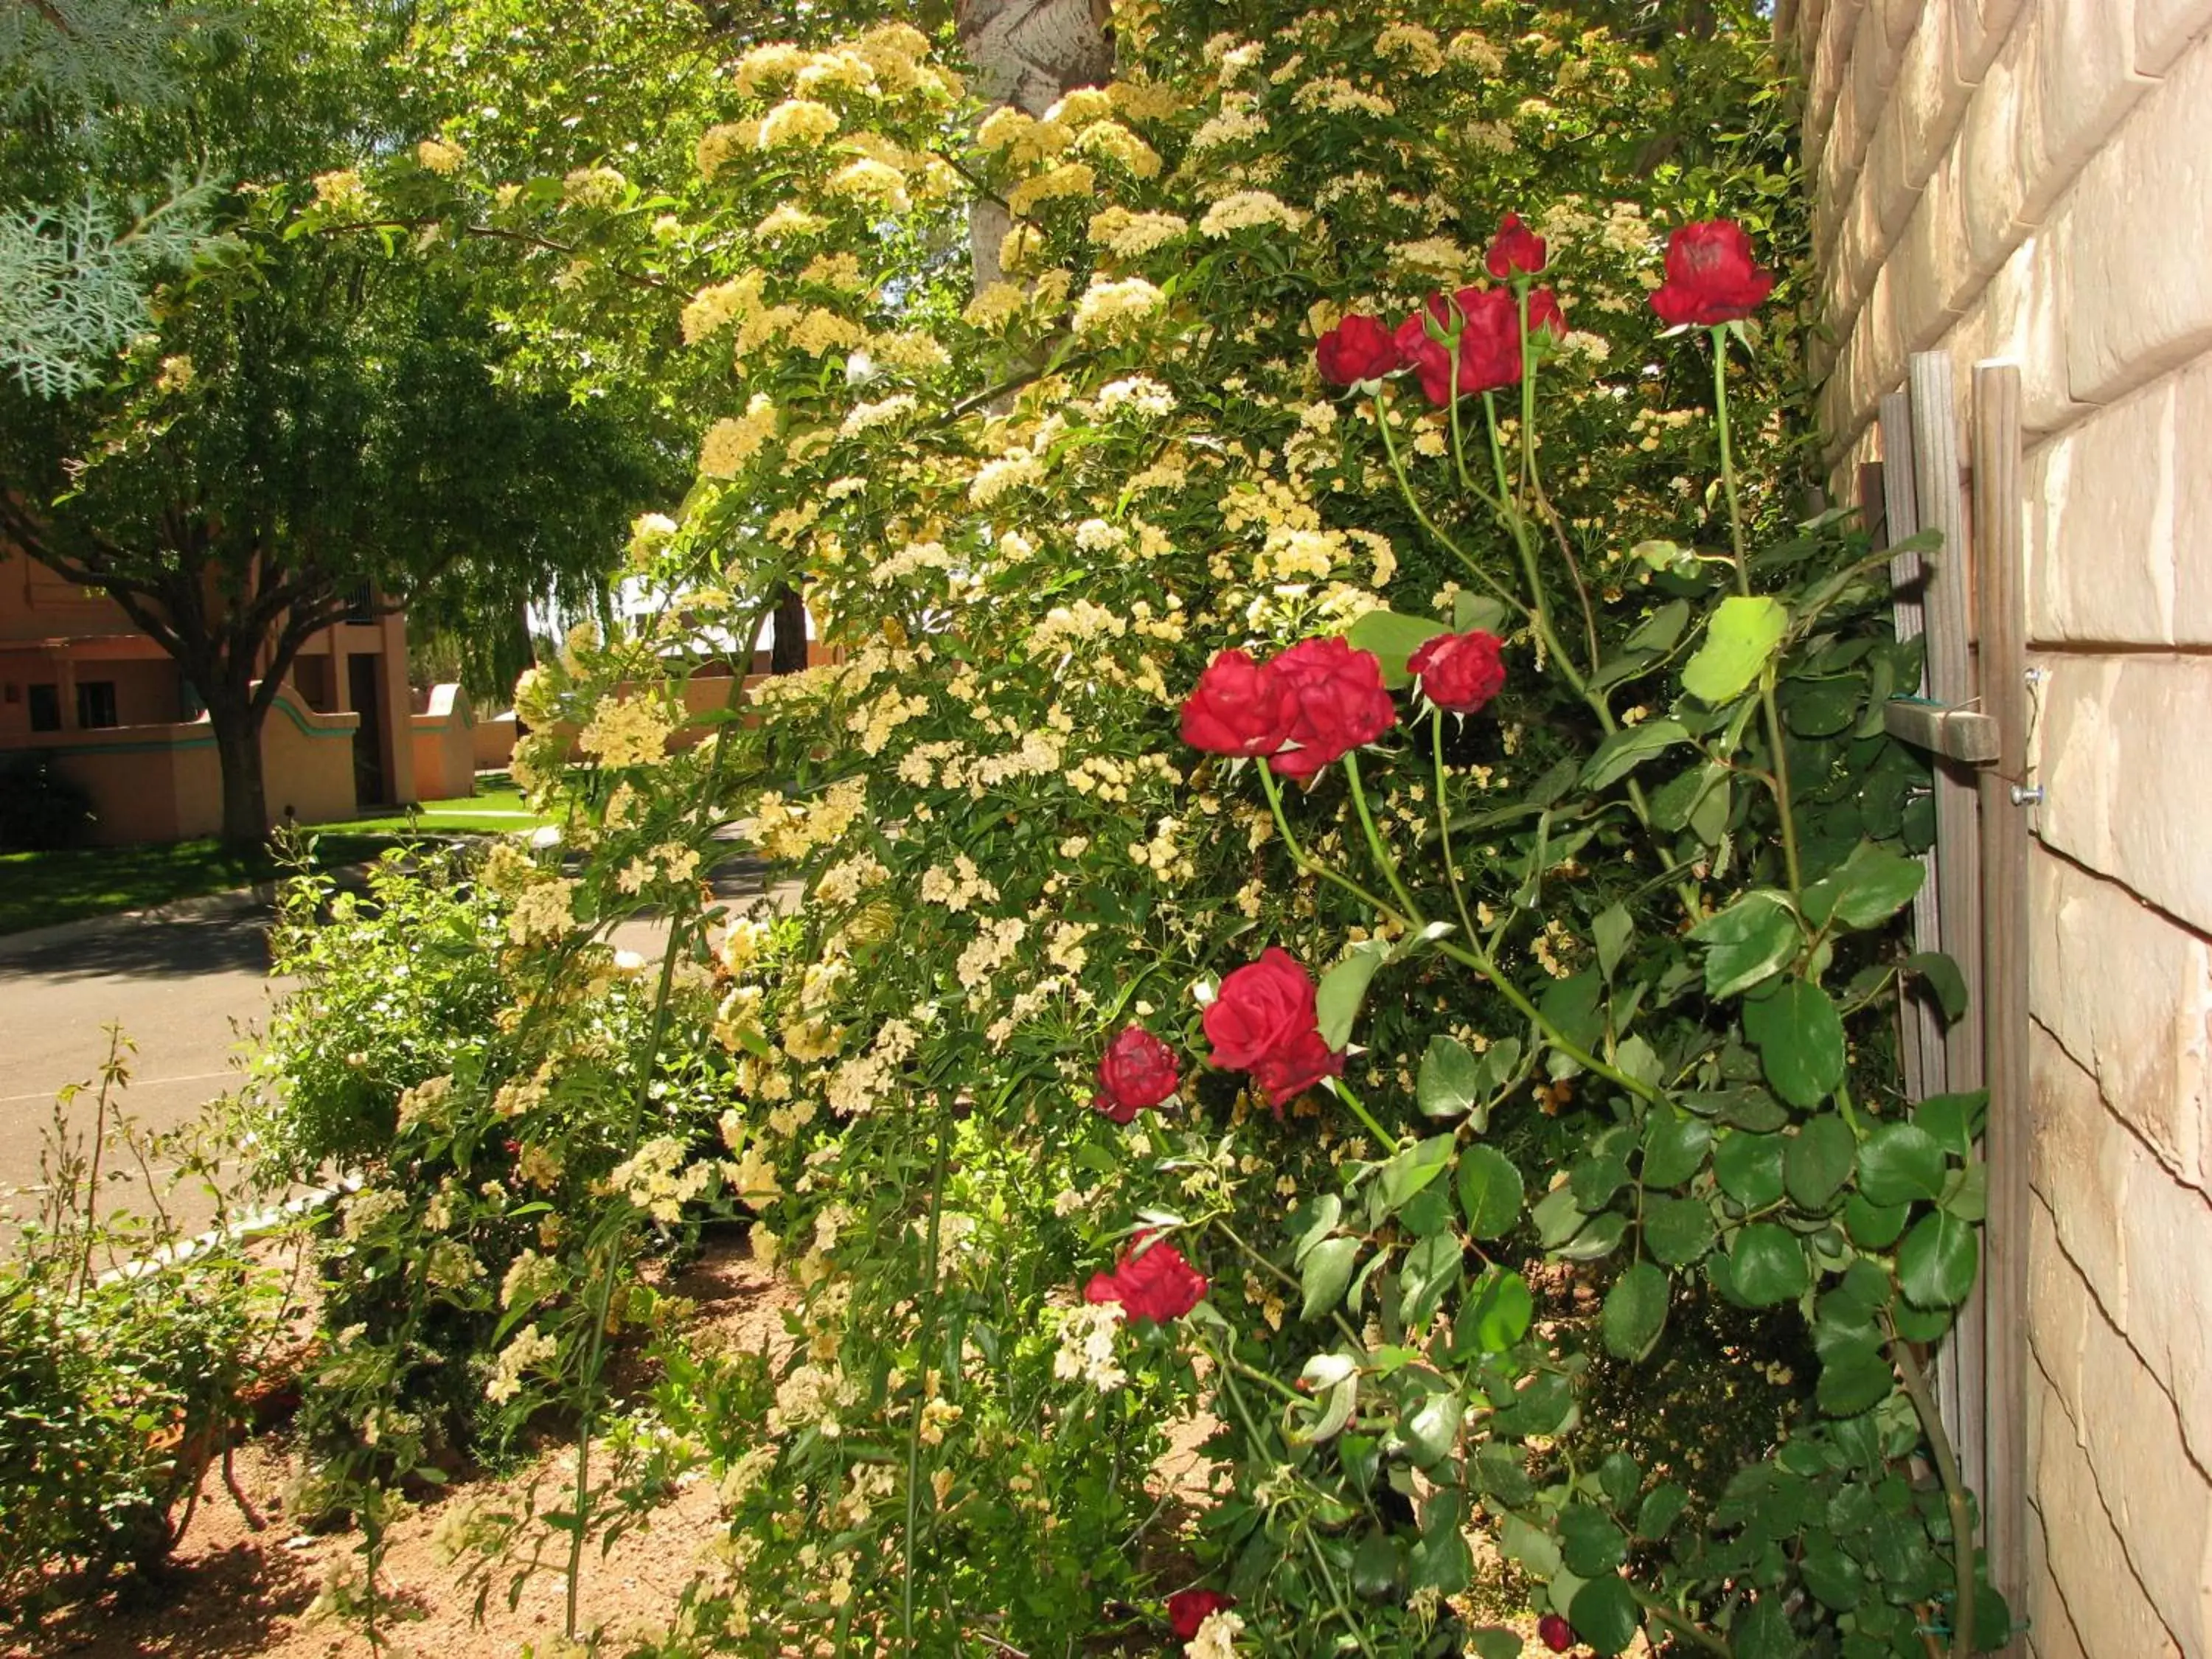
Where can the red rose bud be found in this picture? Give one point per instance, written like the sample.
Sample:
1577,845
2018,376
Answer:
1459,672
1545,315
1515,248
1337,702
1136,1074
1187,1610
1263,1021
1155,1284
1238,708
1555,1632
1711,275
1357,349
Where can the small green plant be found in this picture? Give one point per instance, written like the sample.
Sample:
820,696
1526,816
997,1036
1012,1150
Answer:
124,1355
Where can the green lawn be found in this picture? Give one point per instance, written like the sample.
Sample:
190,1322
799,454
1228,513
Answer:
40,888
496,808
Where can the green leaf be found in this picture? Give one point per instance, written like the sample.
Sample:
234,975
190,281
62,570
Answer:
1410,1170
1661,1508
1677,1231
1344,989
1765,1633
1433,1430
1490,1192
1328,1270
1431,1269
1874,1226
1749,942
1817,1161
1940,975
1874,884
1375,1566
1739,640
1474,611
1954,1120
1899,1163
1316,1222
1531,1547
1800,1038
1674,1148
1604,1614
1661,630
1498,1313
1589,1543
1597,1240
1493,1642
1440,1559
1935,1263
1393,638
1611,929
1767,1266
1854,1377
1635,1311
1749,1168
1449,1083
1628,749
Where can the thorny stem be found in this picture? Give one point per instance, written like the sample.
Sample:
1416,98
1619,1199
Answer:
1382,859
1443,823
1954,1493
1420,513
1384,1137
1772,716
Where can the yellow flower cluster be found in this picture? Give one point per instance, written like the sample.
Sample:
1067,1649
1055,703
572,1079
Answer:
1237,121
1340,97
788,219
785,830
657,1180
990,950
1416,46
342,191
1115,142
1140,394
1112,309
1130,236
874,184
593,187
542,912
863,416
795,123
1068,178
439,156
964,887
713,309
733,441
1470,50
1246,209
627,732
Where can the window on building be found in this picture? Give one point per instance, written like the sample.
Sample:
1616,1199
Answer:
96,705
46,705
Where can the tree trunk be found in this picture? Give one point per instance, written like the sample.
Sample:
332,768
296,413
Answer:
1027,53
786,652
238,750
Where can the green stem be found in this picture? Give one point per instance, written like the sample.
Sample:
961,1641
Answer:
1946,1459
1771,717
1420,514
1375,844
1388,1141
1443,823
921,1398
1690,1631
1524,543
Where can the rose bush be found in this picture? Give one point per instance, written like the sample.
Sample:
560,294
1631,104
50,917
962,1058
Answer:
1126,556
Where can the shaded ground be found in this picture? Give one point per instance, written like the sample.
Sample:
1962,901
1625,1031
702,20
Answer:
43,889
233,1590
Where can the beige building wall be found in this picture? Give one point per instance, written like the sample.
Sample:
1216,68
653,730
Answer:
2032,180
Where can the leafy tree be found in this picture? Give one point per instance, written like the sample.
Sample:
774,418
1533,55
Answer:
310,417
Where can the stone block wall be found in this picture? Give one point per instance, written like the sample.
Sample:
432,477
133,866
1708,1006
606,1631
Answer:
2032,180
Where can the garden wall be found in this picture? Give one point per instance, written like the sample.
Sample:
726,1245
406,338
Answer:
2032,180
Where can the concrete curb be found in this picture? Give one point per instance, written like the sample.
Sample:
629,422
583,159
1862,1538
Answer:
207,907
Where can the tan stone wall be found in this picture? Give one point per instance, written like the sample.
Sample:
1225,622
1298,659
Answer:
2032,180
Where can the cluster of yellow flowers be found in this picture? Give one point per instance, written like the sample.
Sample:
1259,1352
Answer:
734,440
627,732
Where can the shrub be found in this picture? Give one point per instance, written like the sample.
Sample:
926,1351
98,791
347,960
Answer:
41,810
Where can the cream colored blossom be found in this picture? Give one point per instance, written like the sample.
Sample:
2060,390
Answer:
649,533
1068,178
1086,1346
593,187
1217,1637
872,184
529,1352
1111,309
788,219
864,417
1130,236
795,123
1247,208
439,156
542,913
342,189
627,732
733,441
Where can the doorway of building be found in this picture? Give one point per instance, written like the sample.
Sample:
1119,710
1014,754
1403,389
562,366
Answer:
367,700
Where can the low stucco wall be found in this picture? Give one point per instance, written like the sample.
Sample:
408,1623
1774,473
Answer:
443,737
491,742
151,783
2032,180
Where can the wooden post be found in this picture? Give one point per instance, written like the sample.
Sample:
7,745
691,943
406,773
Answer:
2003,614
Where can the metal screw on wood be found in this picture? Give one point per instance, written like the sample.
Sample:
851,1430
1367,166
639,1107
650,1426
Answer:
2027,794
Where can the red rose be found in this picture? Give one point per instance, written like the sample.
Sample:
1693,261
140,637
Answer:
1488,320
1155,1284
1187,1610
1263,1022
1357,349
1459,672
1555,1632
1238,708
1710,276
1515,248
1136,1072
1337,702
